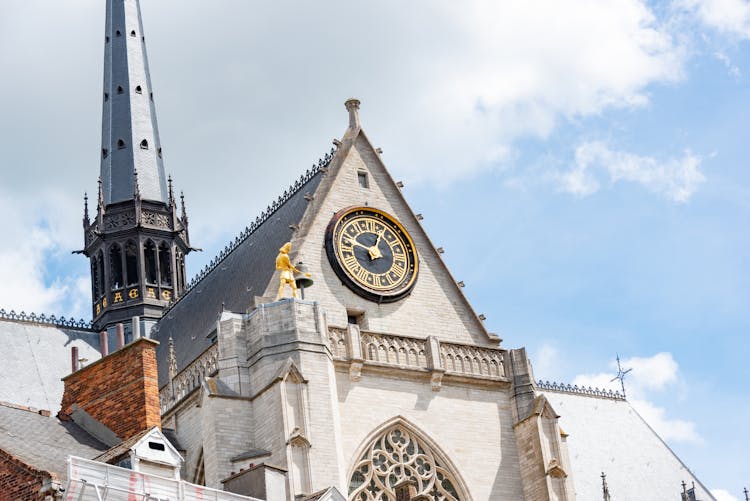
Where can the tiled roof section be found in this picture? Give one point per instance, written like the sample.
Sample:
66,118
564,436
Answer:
233,279
35,357
44,442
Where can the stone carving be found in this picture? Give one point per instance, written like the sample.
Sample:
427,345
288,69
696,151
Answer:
157,219
472,360
337,342
119,220
394,350
395,457
189,378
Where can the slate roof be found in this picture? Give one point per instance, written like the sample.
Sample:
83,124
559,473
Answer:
34,359
233,279
44,442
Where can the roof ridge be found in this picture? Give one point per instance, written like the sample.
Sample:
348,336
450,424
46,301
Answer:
257,223
582,390
32,317
33,410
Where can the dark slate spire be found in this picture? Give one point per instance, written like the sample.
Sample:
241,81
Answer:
130,136
137,244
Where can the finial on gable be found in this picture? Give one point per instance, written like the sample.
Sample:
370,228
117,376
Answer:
352,106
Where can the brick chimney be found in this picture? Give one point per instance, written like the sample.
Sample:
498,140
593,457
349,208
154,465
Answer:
119,390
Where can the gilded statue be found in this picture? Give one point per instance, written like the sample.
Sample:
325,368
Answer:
284,264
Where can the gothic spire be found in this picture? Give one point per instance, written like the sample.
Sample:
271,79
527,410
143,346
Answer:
130,137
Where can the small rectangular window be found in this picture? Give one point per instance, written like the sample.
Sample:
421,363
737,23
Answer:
353,319
362,177
156,446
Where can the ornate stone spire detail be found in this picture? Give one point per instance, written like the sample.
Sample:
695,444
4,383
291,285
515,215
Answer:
86,220
172,359
130,136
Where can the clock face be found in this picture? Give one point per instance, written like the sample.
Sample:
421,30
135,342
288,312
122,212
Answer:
372,253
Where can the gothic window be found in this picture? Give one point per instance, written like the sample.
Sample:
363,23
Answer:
100,266
151,96
362,178
138,89
132,33
106,97
117,33
115,266
120,144
149,253
397,456
159,152
165,265
95,279
131,262
106,39
144,145
104,152
120,90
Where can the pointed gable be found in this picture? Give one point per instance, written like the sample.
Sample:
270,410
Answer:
436,305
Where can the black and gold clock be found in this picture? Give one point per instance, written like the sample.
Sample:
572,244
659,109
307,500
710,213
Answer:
372,253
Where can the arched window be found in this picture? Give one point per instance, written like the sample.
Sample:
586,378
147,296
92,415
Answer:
180,272
151,96
159,152
94,279
106,97
399,455
165,265
120,90
118,34
149,255
144,145
106,39
115,266
120,144
100,264
132,33
131,262
138,89
104,152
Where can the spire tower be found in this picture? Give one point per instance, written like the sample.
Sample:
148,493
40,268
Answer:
130,136
137,243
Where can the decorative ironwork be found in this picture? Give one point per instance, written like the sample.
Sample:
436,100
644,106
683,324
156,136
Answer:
396,457
582,390
394,350
472,360
51,320
262,218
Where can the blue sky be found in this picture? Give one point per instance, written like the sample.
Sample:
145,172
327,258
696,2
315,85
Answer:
583,163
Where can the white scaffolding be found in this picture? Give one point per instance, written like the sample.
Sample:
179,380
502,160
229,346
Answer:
93,481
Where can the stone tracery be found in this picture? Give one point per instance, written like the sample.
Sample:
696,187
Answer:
396,456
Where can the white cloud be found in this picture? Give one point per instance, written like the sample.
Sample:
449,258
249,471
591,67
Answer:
648,375
722,495
677,179
732,69
27,244
730,17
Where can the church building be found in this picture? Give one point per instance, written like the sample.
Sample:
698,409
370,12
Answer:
326,353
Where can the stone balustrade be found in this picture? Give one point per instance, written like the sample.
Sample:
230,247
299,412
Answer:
361,348
189,379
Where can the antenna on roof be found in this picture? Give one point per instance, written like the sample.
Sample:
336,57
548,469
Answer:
746,494
620,375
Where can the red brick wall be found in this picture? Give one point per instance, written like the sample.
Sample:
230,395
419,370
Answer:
120,390
18,481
